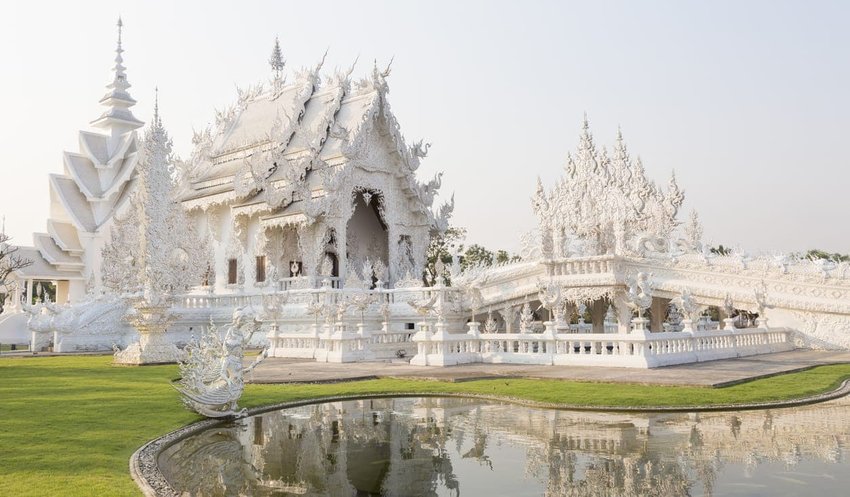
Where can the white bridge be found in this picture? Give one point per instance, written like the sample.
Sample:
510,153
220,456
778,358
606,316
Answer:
804,305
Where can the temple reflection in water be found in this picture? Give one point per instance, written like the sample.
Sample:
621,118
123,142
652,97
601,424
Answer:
453,447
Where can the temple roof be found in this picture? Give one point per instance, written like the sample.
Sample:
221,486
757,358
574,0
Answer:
65,236
308,134
96,146
74,202
301,116
40,269
53,253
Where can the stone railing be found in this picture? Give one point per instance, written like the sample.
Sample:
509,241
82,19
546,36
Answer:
336,343
635,350
215,301
298,292
581,265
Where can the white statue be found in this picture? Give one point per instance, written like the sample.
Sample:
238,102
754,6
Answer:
639,295
212,374
526,318
490,326
550,297
686,303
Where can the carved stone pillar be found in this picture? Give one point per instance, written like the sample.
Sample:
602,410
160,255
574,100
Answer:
392,255
307,241
341,227
508,315
624,312
19,295
597,315
658,309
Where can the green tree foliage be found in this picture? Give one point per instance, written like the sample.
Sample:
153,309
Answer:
821,254
451,242
443,246
720,250
476,255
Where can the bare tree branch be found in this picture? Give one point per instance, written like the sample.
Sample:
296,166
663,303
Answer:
10,260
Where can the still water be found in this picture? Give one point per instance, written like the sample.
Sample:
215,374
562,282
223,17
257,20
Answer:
463,447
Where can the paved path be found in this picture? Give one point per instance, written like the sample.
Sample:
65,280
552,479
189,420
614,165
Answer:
714,373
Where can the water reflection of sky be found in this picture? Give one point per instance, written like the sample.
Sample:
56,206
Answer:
454,447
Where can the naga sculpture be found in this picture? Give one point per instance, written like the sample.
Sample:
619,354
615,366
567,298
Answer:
212,374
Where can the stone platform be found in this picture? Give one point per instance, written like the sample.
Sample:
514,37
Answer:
705,374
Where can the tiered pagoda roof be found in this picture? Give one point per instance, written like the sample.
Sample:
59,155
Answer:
95,183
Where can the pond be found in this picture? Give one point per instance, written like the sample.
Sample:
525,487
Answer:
469,447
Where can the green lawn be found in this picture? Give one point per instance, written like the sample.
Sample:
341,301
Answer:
68,425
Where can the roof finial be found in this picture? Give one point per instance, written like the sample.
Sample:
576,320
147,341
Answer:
120,26
119,60
117,100
156,105
276,59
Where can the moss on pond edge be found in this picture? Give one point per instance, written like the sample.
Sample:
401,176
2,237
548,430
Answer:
68,425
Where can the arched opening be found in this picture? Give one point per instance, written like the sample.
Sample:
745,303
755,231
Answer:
333,263
366,233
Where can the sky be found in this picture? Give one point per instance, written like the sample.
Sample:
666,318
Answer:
746,100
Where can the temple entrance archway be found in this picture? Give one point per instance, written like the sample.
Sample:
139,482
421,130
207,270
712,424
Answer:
366,233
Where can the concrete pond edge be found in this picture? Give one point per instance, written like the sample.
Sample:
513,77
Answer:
145,471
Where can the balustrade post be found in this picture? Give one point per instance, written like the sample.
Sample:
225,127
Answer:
639,326
474,329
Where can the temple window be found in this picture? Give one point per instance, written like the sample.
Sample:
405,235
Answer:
231,271
261,268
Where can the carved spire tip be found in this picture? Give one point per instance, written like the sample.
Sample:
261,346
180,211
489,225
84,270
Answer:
156,104
276,61
120,25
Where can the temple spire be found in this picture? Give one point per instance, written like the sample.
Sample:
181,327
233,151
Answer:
156,119
117,100
120,27
276,59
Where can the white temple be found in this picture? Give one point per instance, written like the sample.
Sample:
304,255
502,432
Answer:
309,178
304,203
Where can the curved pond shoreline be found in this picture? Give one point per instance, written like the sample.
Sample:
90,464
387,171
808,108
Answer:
147,475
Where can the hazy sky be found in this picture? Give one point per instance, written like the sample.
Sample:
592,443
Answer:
748,101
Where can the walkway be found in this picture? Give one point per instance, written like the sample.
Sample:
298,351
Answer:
714,373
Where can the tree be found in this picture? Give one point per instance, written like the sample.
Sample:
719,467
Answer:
450,243
445,245
503,257
10,261
821,254
720,250
476,255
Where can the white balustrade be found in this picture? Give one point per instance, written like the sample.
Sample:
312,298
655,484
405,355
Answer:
562,344
638,350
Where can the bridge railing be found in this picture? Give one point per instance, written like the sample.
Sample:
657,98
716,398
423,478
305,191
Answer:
637,350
